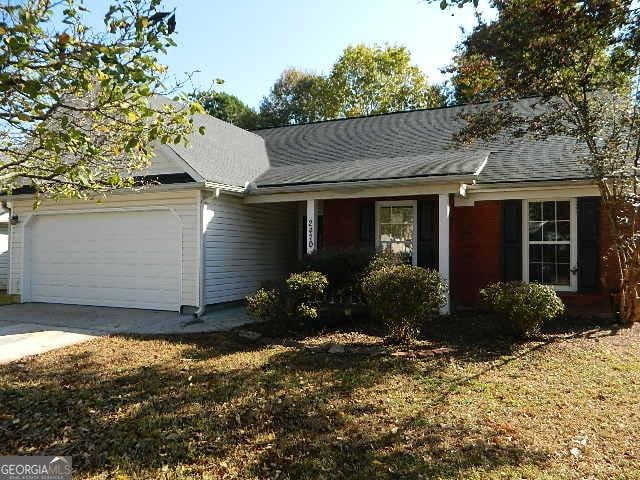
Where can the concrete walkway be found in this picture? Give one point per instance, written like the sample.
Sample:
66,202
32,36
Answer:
32,328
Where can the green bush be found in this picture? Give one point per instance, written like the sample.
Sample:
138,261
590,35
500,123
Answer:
384,260
403,297
298,299
266,305
342,267
525,306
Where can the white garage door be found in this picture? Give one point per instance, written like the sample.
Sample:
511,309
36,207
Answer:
116,259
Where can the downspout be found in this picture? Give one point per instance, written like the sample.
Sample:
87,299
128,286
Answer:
203,233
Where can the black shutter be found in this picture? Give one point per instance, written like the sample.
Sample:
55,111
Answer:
588,244
368,225
512,240
428,234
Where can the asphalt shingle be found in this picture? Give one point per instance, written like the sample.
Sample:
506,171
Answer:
371,146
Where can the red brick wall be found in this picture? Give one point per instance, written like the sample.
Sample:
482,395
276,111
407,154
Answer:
341,219
341,223
476,245
476,242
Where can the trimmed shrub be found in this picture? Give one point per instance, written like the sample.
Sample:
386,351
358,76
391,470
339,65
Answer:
403,297
297,301
266,305
306,286
342,267
525,306
304,292
384,260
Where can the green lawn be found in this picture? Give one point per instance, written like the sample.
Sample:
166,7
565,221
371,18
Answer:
219,406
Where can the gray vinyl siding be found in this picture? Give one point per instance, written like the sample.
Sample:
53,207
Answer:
245,246
4,256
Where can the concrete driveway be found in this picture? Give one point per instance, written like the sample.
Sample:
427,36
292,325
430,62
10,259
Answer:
32,328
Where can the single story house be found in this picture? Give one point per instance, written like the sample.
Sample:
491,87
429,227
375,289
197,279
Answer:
238,208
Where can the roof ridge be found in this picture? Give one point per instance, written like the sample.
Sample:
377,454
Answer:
373,115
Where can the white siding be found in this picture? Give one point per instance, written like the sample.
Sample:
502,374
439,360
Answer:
4,256
246,245
185,203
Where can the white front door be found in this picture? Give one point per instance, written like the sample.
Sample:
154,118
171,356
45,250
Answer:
116,259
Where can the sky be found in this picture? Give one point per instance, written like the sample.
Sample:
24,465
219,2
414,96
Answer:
248,43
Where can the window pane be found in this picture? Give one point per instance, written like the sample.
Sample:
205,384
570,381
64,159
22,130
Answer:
535,231
535,272
549,273
401,215
385,214
564,254
564,231
396,230
549,253
535,211
549,211
535,253
407,231
550,259
563,274
386,232
549,232
563,210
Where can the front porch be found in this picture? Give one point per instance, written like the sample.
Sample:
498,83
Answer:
472,236
417,227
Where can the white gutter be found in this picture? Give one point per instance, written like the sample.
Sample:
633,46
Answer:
444,179
515,186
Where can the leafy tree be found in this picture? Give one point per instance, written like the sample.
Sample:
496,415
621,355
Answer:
79,108
582,60
363,81
227,107
369,80
296,97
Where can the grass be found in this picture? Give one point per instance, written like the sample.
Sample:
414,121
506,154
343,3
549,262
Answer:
219,406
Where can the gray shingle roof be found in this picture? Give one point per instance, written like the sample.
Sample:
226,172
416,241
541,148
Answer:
225,153
377,145
417,166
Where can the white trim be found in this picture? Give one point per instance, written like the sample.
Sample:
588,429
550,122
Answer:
362,192
400,203
444,215
226,188
25,290
478,193
166,187
573,276
359,184
311,228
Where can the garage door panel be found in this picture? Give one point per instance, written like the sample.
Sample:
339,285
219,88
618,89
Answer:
122,259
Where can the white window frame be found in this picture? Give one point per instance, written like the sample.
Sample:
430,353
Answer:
400,203
573,213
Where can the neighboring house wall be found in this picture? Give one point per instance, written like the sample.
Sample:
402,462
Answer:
185,203
4,255
245,246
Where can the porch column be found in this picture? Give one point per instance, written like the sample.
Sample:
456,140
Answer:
444,213
311,233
